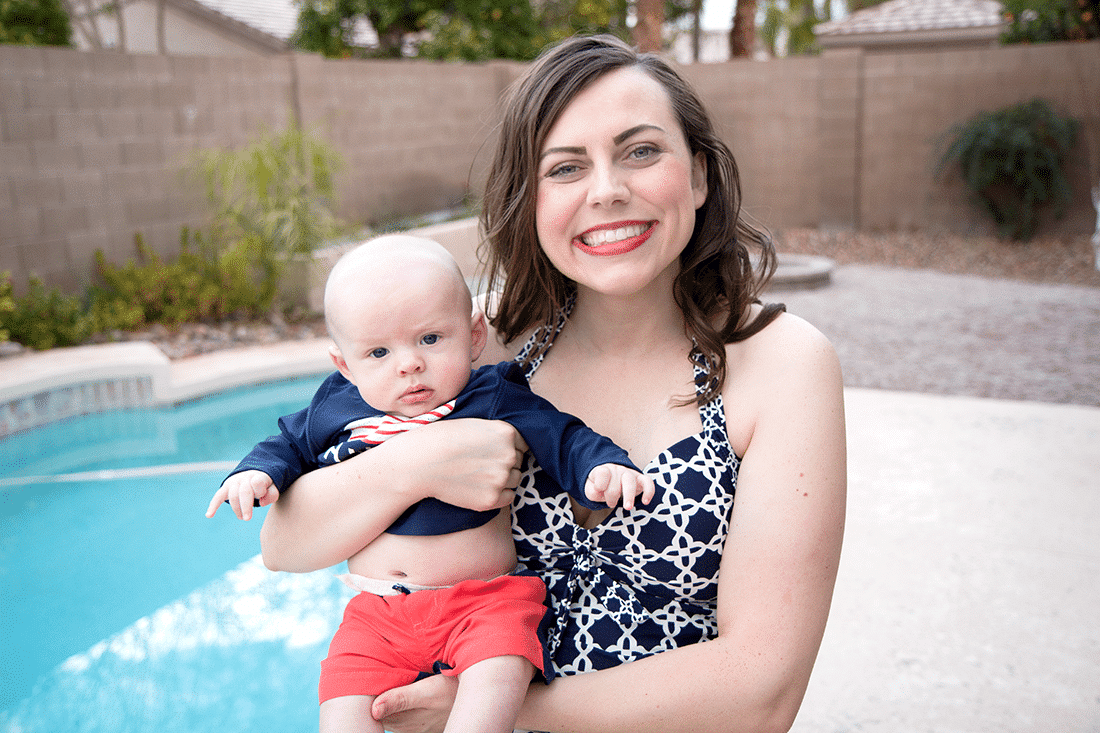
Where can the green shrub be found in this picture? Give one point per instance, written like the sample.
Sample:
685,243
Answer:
1013,161
7,303
43,320
1043,21
35,23
201,284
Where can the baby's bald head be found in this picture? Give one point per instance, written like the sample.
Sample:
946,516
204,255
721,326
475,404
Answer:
385,264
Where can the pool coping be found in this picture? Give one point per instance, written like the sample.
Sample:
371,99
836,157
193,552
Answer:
42,387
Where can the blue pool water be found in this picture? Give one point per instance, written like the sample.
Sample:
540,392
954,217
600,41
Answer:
122,607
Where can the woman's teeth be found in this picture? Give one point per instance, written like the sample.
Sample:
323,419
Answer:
606,236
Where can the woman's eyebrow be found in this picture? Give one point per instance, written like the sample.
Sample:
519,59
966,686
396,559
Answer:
626,134
618,140
566,150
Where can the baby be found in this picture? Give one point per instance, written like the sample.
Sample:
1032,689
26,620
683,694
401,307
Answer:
438,591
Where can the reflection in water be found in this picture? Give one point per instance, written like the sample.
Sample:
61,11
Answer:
241,653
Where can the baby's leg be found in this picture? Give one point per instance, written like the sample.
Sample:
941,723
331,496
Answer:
490,694
350,714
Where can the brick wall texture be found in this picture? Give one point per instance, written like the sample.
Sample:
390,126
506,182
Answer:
92,145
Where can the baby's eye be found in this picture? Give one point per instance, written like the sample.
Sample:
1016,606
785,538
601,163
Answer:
379,353
431,338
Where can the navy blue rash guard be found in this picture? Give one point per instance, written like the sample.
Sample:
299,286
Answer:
564,447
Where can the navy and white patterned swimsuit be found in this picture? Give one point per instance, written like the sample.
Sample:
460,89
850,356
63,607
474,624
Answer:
643,581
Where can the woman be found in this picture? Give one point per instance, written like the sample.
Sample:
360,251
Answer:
612,216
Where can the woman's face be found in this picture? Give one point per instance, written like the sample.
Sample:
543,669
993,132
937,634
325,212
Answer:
618,186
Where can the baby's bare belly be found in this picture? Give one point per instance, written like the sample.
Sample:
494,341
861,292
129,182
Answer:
481,553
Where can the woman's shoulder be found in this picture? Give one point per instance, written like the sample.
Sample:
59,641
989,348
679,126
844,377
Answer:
787,354
785,338
786,371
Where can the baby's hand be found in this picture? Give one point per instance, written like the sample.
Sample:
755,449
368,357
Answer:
241,489
608,481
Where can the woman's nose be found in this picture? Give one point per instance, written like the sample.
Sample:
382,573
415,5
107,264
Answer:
608,186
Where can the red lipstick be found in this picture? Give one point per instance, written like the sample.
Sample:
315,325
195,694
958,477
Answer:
620,246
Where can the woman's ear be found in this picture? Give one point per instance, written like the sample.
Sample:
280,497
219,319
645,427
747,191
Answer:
479,334
699,179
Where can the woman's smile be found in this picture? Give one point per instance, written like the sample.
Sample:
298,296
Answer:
615,239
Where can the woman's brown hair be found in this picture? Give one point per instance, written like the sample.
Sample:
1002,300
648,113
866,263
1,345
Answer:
717,281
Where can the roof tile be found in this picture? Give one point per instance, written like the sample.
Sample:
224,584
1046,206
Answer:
899,16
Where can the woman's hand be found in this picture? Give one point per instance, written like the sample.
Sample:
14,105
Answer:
330,514
422,707
471,463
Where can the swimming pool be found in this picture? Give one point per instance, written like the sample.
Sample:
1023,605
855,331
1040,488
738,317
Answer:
122,607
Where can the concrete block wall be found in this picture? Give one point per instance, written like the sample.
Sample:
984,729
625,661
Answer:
768,114
92,144
840,128
912,100
410,132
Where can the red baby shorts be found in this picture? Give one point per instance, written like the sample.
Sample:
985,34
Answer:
390,641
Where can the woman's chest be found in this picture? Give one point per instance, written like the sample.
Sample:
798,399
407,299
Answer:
635,405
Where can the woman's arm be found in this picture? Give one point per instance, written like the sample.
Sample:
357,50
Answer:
778,568
328,515
779,565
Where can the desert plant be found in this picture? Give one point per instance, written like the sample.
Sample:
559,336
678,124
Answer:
202,283
7,302
1013,161
44,319
276,193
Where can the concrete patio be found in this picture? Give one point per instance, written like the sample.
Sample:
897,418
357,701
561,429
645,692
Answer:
969,591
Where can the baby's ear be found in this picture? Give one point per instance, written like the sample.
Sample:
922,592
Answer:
479,334
338,360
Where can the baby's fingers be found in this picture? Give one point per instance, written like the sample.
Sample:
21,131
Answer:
269,497
219,498
595,488
634,485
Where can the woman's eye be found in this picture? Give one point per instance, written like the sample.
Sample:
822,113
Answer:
431,338
379,353
643,152
562,171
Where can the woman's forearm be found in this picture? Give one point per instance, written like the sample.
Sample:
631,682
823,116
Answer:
696,689
329,514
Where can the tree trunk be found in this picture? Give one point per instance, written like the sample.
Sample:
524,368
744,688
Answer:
85,23
121,26
743,32
647,31
696,28
162,46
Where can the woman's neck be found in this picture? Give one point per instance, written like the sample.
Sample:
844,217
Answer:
625,325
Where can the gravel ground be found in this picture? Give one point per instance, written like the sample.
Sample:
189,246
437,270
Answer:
947,315
916,312
923,331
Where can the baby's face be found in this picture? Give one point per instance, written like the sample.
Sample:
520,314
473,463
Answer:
408,350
